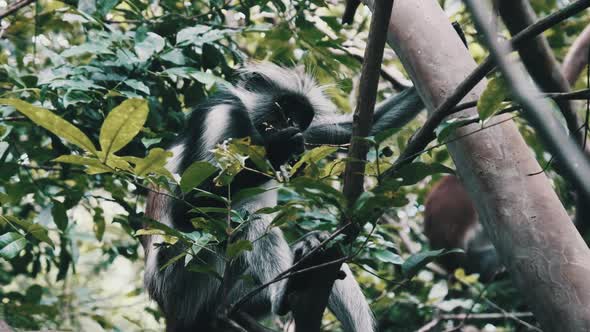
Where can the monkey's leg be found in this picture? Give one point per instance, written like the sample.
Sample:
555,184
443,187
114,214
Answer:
347,300
270,256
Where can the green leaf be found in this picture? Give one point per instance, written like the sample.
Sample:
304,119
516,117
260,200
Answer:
195,174
369,206
175,56
195,74
248,193
99,223
97,47
173,260
189,34
313,156
417,171
37,231
445,129
74,97
153,163
234,249
152,224
105,6
94,163
60,217
51,122
387,256
122,124
11,244
256,153
492,98
137,85
152,44
417,261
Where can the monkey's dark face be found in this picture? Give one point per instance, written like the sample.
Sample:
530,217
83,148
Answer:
282,127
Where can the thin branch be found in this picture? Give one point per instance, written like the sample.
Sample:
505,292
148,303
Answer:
12,118
429,326
15,7
486,316
582,94
423,136
394,78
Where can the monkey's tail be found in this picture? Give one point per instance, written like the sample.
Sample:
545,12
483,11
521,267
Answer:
348,303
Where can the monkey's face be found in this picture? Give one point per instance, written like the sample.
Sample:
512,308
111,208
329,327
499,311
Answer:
282,127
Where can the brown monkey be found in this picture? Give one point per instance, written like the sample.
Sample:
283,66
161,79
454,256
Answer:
451,221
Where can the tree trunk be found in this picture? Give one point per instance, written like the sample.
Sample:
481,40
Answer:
546,257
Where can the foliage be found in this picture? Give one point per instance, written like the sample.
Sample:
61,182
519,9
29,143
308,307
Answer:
89,106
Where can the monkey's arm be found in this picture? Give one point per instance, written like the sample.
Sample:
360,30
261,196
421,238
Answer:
394,112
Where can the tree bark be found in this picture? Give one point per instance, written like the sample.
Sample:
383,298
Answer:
540,62
577,57
521,214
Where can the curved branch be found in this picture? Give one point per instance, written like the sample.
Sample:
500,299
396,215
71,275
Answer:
577,57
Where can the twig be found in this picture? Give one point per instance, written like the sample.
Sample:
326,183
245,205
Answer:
470,311
486,315
582,94
429,326
12,118
395,82
15,7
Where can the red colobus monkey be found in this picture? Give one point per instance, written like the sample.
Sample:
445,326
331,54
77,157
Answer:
451,221
280,109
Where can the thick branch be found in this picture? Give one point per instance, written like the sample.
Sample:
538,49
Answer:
426,134
577,57
561,294
537,109
538,58
521,214
363,114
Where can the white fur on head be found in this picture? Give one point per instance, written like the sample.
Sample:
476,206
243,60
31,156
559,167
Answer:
290,79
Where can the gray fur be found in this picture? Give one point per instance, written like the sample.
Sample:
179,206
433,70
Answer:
189,300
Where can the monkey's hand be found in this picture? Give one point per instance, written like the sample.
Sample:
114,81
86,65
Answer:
283,144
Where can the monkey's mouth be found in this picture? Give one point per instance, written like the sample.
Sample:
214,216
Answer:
298,143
